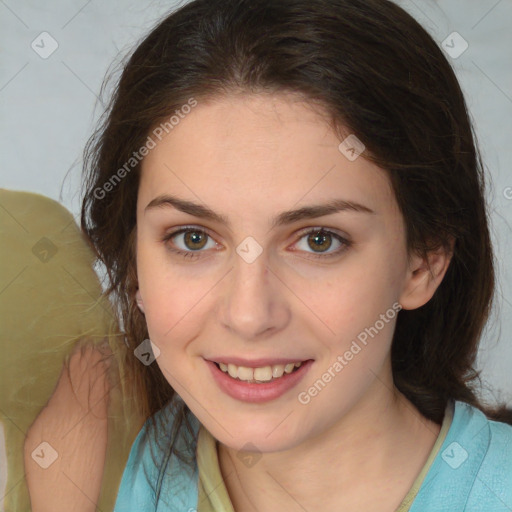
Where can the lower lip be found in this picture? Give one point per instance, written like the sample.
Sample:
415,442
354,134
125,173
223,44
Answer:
256,393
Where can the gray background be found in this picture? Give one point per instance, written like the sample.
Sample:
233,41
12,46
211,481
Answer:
49,107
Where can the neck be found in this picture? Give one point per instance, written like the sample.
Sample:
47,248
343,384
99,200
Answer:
368,460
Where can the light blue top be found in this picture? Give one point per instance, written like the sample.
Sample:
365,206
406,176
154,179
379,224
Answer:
179,491
472,471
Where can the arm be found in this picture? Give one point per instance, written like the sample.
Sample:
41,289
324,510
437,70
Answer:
64,451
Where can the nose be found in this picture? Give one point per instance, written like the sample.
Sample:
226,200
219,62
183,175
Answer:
254,304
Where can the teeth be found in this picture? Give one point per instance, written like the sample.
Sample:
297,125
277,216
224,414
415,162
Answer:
289,368
233,370
263,374
277,370
244,373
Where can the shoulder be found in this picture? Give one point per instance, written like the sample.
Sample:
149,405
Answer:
473,469
490,439
493,481
151,464
137,487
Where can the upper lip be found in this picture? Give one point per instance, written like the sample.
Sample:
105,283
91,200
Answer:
255,363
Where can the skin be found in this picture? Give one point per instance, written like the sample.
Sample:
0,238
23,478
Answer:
250,157
75,424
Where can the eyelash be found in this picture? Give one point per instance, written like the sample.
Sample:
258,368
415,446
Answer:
196,254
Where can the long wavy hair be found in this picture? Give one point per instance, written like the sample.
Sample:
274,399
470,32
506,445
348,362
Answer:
380,76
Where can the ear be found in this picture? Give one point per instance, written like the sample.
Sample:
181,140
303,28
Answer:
138,299
425,275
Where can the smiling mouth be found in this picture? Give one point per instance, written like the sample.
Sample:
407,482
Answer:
259,375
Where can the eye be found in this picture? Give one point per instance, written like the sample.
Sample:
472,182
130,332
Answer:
320,238
195,239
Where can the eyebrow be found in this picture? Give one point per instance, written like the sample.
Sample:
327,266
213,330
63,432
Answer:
284,218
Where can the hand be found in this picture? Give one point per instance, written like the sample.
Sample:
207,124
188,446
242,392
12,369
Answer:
74,424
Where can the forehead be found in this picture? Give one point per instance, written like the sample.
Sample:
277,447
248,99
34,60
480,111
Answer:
258,152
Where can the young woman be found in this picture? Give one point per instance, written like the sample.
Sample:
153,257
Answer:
289,202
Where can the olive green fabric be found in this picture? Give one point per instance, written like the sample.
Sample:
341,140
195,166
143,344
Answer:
50,298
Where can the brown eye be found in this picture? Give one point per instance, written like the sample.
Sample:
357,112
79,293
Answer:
195,240
188,242
320,240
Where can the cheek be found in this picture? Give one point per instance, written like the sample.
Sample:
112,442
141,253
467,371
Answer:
353,310
174,298
159,290
359,318
349,297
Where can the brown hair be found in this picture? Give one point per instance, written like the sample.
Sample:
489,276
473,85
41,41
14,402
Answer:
380,76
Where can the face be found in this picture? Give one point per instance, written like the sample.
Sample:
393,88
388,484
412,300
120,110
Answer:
250,283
